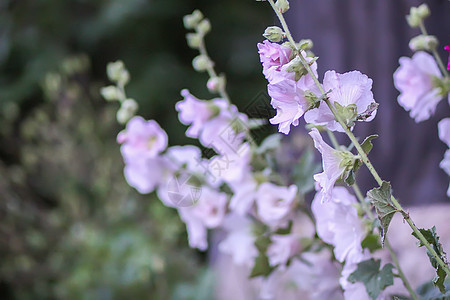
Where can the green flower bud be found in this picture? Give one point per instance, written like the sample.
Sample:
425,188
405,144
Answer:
192,20
423,43
194,40
117,73
111,93
273,34
306,44
296,66
282,5
201,63
126,111
204,27
348,113
423,11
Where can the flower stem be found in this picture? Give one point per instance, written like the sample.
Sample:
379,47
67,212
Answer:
434,52
355,142
212,73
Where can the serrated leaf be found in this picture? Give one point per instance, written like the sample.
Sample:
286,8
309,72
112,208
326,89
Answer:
374,279
381,198
432,238
367,143
371,242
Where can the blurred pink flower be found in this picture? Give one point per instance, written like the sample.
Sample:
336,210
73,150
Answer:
274,203
141,140
414,80
348,88
282,248
338,224
146,174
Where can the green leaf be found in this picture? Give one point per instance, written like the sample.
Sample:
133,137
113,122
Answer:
286,230
428,291
367,143
371,242
350,179
261,266
304,171
374,279
432,238
381,198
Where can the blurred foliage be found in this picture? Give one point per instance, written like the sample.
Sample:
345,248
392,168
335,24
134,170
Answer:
71,227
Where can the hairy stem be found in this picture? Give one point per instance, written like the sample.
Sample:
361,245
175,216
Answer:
355,142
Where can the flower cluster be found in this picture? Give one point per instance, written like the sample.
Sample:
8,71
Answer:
233,185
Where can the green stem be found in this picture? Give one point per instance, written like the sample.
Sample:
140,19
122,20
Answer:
434,52
358,147
211,72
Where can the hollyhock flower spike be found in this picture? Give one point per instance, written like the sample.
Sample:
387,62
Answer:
351,94
414,79
332,162
141,140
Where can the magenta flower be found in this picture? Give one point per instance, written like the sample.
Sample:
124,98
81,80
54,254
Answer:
351,88
414,80
273,56
141,140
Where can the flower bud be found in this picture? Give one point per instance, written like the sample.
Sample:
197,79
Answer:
204,27
423,43
201,63
306,44
273,34
282,5
126,111
215,84
192,20
114,70
194,40
296,66
111,93
423,11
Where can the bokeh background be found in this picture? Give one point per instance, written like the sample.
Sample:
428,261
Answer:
70,227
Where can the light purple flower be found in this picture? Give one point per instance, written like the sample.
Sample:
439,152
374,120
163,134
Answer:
231,167
239,242
346,89
414,80
288,98
274,203
444,135
141,140
146,174
196,113
331,162
244,195
282,248
273,56
338,224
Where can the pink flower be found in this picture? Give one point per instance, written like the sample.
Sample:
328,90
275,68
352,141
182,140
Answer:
141,140
146,174
338,224
331,162
346,89
208,212
274,203
273,56
196,113
414,80
444,135
282,248
239,242
244,195
288,98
